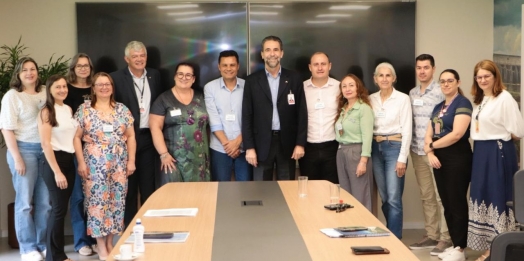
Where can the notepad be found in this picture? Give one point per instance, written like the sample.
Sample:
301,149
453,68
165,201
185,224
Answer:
370,232
172,212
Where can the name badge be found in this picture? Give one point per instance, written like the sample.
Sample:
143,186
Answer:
230,117
437,128
87,103
107,128
319,105
291,99
418,102
142,108
338,126
175,112
381,114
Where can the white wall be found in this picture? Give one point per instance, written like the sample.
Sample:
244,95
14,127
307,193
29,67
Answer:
458,33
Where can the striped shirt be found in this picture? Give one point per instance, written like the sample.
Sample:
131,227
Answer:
422,112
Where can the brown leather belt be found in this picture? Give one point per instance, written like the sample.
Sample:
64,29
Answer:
393,137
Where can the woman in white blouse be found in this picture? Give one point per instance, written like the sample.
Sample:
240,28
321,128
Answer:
390,147
18,122
57,129
496,122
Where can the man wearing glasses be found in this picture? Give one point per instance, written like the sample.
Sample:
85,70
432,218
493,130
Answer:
274,116
223,98
137,87
423,99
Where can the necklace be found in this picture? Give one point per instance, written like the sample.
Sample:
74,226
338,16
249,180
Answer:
181,99
480,109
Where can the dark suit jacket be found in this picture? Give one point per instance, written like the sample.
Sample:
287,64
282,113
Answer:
126,94
257,113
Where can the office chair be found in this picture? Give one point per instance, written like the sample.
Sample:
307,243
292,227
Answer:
512,242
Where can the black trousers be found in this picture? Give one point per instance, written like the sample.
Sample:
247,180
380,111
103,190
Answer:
285,164
320,161
59,204
147,169
452,180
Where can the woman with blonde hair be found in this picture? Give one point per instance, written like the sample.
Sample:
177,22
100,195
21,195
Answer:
354,132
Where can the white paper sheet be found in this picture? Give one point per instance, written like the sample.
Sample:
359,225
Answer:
172,212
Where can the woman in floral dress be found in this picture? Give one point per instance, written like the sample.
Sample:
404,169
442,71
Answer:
108,158
178,122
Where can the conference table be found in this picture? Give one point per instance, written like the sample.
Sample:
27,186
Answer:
258,220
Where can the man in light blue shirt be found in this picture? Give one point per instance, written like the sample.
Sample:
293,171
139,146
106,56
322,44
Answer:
223,98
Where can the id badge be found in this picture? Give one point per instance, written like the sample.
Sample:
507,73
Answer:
437,128
87,103
175,112
418,102
338,126
381,114
107,128
230,117
319,105
291,99
142,109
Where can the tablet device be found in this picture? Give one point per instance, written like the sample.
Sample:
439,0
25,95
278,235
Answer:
158,235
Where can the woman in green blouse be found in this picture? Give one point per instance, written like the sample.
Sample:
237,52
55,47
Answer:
354,132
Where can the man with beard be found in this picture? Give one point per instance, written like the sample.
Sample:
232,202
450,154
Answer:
274,116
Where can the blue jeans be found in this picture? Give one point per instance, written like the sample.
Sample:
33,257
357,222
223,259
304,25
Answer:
390,187
31,194
78,215
222,165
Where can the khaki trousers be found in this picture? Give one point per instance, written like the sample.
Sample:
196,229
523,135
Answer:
431,203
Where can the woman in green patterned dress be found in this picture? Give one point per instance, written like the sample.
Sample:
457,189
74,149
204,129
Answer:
178,121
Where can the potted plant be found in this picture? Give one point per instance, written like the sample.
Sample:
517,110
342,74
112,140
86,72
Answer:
10,56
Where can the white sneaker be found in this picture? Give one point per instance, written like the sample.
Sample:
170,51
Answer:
32,256
43,253
94,247
445,253
455,255
85,251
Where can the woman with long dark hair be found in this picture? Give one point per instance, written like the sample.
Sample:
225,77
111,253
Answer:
354,132
57,129
79,92
449,153
18,122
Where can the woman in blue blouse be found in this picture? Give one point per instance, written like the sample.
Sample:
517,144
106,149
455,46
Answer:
449,152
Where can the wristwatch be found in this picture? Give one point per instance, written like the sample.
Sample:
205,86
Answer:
431,146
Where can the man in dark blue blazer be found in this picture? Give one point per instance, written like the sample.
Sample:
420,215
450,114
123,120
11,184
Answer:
274,116
137,88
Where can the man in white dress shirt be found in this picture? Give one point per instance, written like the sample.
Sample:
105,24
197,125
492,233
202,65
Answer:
319,161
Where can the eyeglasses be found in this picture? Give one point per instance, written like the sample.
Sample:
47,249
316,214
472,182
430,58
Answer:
181,75
100,85
82,66
443,82
485,77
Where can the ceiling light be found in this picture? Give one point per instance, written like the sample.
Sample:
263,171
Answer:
185,13
177,6
268,6
333,15
321,22
349,7
194,18
263,13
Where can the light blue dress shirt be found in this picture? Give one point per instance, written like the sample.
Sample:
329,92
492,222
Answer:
273,86
220,101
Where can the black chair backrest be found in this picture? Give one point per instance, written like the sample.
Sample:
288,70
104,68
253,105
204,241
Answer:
518,196
502,241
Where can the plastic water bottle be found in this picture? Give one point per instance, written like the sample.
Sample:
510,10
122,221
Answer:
138,232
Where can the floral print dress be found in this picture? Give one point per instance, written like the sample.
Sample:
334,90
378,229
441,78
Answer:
105,153
185,135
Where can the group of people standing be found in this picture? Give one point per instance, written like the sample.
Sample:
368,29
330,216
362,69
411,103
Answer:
97,141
